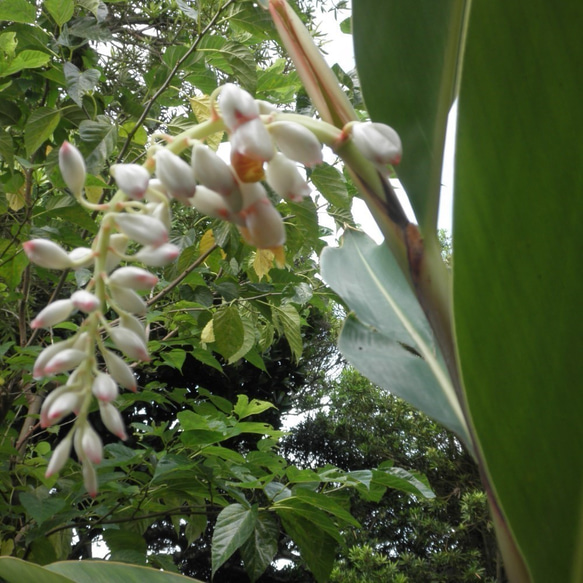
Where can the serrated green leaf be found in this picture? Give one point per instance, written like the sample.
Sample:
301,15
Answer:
260,548
290,321
229,331
248,340
60,10
17,11
330,184
391,342
80,83
39,127
234,526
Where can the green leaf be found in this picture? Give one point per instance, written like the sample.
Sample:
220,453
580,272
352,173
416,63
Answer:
331,185
245,408
39,127
290,321
101,134
407,54
187,10
27,59
260,548
207,358
18,571
17,11
109,572
229,330
78,84
316,546
41,507
248,340
324,502
60,10
234,526
400,479
391,341
6,147
517,269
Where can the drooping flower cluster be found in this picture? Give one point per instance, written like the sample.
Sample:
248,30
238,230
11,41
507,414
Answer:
263,148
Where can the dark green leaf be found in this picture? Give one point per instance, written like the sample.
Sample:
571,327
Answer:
330,184
41,507
17,11
18,571
229,331
260,548
39,127
101,135
234,526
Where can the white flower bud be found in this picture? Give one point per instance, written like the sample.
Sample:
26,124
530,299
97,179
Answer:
134,278
118,244
158,256
89,479
104,387
297,142
253,141
214,173
60,456
81,257
237,106
133,179
252,192
128,300
53,314
283,176
265,225
113,420
61,406
85,301
142,228
378,142
65,360
156,190
90,445
135,325
47,254
38,371
129,343
175,174
120,371
160,211
210,203
72,168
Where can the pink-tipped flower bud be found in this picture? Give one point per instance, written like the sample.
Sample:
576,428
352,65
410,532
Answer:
113,420
210,203
53,314
264,225
160,211
65,360
129,343
120,371
72,167
252,140
60,456
175,174
89,479
38,371
252,193
60,407
237,106
45,253
104,387
215,174
135,325
378,142
85,301
81,257
118,244
158,256
156,190
89,445
297,142
128,300
133,179
142,228
283,176
133,278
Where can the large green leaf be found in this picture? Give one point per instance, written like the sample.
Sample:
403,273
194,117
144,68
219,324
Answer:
260,548
39,127
60,10
79,83
391,342
14,570
234,526
229,330
407,58
517,268
17,11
